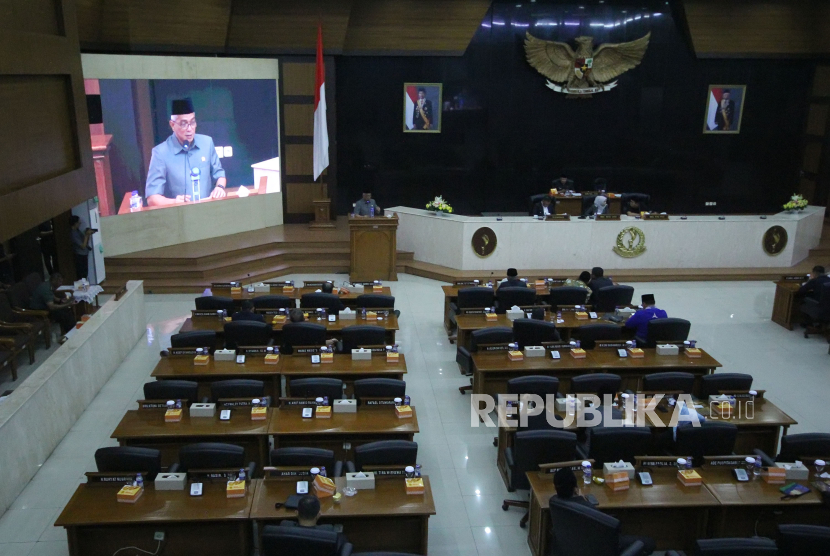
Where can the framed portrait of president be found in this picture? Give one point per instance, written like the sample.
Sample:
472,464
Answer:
422,107
724,109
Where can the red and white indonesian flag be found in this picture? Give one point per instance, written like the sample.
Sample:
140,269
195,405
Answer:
715,96
411,101
321,131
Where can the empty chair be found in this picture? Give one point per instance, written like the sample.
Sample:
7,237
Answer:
578,530
483,336
567,295
611,297
532,384
375,301
711,438
590,333
284,540
210,455
307,457
529,450
755,546
379,388
724,382
194,339
796,540
508,297
474,298
596,383
673,381
214,303
128,459
529,332
362,335
328,301
273,302
38,325
384,452
302,334
172,390
616,443
236,388
316,388
247,333
808,445
665,330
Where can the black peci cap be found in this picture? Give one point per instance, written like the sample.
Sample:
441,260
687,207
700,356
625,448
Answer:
648,299
511,272
182,106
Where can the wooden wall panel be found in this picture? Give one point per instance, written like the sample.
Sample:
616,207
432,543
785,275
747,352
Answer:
812,157
299,160
300,196
298,79
817,119
33,16
298,120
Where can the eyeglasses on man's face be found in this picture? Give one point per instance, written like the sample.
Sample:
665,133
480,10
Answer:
182,124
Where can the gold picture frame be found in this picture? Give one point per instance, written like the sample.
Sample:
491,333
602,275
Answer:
413,119
714,119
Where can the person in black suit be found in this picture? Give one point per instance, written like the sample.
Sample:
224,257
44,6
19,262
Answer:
247,313
563,183
328,287
564,481
812,287
598,280
543,207
635,207
422,112
512,280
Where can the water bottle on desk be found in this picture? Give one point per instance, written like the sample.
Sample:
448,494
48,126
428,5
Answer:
242,475
587,472
135,201
371,211
196,185
139,481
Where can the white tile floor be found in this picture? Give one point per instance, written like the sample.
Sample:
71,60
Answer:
730,320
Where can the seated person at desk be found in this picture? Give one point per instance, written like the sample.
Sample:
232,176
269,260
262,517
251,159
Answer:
563,183
328,287
581,282
812,287
598,280
364,206
308,512
639,320
296,315
46,298
248,313
634,207
512,280
600,206
564,481
543,207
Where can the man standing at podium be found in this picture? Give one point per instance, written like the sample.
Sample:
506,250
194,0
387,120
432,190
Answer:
365,206
170,178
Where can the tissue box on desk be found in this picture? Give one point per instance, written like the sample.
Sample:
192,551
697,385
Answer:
262,288
515,313
361,354
795,471
361,481
345,406
170,481
618,467
202,410
347,314
224,355
534,351
668,349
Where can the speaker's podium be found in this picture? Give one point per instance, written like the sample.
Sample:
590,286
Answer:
373,243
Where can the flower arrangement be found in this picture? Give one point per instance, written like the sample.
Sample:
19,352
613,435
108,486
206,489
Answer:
796,202
439,205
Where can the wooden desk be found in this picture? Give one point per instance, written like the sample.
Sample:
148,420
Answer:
373,243
673,515
369,424
383,519
97,525
146,428
348,299
176,367
492,370
785,307
343,367
568,204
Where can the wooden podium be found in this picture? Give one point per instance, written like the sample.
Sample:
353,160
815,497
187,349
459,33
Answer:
373,243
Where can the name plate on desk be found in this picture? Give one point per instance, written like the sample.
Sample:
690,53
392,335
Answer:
574,465
795,278
298,402
600,217
558,218
467,282
93,478
611,345
212,475
306,350
271,472
494,347
472,311
657,461
377,401
196,313
191,352
224,285
725,461
251,350
236,402
556,345
152,404
655,217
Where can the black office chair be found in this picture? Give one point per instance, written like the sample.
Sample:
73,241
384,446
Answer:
214,303
379,388
316,387
172,390
755,546
307,457
606,444
797,540
236,388
587,203
247,333
128,459
817,311
283,540
596,383
302,334
194,339
534,384
362,335
273,302
533,199
578,530
375,301
329,301
711,438
483,336
473,298
590,333
530,332
508,297
567,295
672,381
712,385
808,445
611,297
384,452
665,330
531,449
212,455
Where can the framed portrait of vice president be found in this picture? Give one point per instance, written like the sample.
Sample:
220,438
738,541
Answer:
422,107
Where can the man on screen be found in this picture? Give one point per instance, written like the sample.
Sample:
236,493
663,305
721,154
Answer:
170,177
422,116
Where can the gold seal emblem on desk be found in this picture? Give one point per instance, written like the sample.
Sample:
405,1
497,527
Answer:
484,242
631,242
775,240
